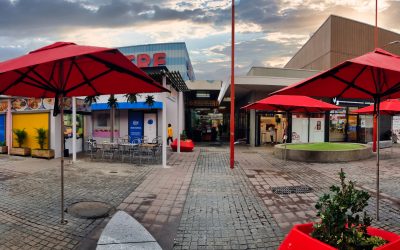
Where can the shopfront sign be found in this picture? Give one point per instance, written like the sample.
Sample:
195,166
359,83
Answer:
146,60
135,119
203,103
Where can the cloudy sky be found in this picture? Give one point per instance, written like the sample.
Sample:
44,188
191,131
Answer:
269,32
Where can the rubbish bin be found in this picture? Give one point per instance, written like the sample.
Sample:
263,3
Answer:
66,152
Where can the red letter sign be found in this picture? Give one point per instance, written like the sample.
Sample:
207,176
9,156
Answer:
159,59
143,60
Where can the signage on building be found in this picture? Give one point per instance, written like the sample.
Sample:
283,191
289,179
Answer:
135,120
145,60
203,103
2,128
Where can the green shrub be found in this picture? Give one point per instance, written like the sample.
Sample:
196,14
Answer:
21,136
41,137
341,225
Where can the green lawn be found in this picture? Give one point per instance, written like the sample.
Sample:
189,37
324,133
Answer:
324,146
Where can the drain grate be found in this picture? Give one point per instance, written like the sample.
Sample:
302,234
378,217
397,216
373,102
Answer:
302,189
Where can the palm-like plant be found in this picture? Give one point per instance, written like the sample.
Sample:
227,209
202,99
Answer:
89,100
21,136
41,137
150,100
131,97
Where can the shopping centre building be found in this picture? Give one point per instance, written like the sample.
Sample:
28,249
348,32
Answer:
336,40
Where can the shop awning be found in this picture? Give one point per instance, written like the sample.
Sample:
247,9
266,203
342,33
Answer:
174,78
127,105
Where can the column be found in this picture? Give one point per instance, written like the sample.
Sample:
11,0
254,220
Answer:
164,123
73,129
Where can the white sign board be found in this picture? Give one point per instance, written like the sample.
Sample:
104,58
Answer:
299,130
317,129
396,125
150,126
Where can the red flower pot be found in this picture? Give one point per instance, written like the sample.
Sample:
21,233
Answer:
299,239
186,145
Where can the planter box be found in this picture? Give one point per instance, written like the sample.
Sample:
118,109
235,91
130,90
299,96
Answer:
3,149
43,153
299,238
20,151
186,146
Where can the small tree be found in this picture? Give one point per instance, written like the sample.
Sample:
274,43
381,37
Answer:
21,136
150,100
341,225
41,137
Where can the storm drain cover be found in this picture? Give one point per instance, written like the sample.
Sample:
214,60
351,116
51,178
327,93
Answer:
90,209
301,189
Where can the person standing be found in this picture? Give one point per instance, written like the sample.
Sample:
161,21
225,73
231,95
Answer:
170,133
272,133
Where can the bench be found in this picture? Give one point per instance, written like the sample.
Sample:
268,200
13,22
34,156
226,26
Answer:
124,232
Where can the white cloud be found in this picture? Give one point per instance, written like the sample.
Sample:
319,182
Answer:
286,39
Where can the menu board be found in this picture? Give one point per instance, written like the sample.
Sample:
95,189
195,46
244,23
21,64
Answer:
32,104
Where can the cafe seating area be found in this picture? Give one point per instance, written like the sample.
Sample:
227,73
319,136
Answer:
129,150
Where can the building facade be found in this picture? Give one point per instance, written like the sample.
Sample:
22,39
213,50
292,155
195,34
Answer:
138,119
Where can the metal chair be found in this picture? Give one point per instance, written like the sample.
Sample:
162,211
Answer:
92,148
108,151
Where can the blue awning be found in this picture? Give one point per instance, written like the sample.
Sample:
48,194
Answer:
127,105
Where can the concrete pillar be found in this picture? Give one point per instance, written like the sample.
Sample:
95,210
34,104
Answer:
252,135
9,134
179,122
164,124
73,129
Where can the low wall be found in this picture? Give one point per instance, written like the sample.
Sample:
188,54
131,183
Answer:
323,156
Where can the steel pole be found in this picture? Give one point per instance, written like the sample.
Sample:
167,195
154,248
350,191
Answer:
63,221
377,158
164,124
73,129
178,150
9,134
232,116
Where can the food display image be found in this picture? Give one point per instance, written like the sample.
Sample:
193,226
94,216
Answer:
34,103
48,103
19,104
3,106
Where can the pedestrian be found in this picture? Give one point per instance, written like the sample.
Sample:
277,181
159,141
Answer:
272,133
170,133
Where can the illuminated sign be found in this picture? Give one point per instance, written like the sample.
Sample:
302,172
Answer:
144,60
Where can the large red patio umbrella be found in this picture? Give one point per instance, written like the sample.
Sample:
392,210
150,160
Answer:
375,75
388,107
65,69
291,103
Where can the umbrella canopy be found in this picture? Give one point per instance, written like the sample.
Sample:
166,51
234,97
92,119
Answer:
388,107
375,75
67,69
289,103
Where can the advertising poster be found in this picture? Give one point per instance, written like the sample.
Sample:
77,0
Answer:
396,125
150,126
299,130
135,119
317,129
2,128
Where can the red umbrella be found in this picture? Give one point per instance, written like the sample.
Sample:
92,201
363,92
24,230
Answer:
375,75
388,107
65,69
291,103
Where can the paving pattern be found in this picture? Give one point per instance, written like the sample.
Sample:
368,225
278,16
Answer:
222,210
29,207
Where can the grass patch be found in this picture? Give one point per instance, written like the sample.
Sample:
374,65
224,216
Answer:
325,146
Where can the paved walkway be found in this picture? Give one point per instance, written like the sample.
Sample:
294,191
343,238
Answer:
197,203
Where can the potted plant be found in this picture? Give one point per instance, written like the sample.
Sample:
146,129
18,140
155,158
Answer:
41,140
21,136
344,224
3,147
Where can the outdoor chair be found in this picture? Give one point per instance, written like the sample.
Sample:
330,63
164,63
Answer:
157,154
108,151
92,148
146,154
125,152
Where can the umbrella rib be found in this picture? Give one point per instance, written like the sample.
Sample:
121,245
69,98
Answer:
352,85
393,89
84,82
68,74
52,73
353,81
373,78
123,70
44,83
16,81
37,86
87,80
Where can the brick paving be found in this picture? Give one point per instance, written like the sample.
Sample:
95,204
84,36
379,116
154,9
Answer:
158,202
29,207
266,172
222,210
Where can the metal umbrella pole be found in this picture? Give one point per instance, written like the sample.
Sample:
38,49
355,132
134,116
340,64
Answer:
285,136
377,155
63,221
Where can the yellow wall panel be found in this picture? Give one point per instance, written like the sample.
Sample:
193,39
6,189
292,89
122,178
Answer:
30,122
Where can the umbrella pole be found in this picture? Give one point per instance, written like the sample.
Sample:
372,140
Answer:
377,157
63,221
285,135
